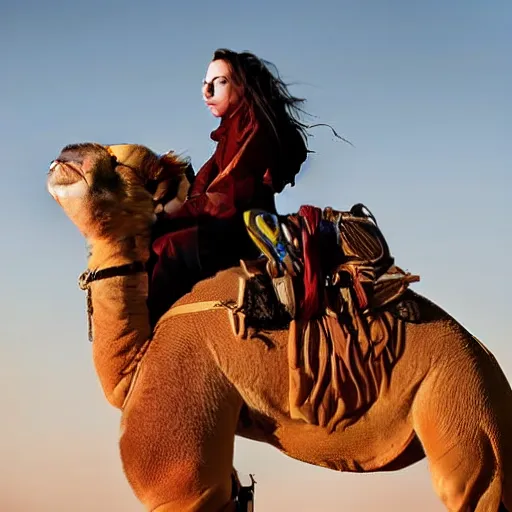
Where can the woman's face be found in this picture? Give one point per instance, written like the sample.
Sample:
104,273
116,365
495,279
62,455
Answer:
219,92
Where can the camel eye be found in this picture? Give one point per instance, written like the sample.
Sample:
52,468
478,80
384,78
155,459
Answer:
72,154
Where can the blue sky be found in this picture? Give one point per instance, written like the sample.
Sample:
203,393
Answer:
422,89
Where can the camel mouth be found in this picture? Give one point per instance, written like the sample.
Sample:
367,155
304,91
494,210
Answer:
65,179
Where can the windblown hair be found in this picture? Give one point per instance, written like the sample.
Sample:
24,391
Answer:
264,89
271,102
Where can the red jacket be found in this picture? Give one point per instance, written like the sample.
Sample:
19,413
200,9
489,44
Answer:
239,175
244,172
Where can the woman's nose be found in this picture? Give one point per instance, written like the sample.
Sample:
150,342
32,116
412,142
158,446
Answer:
208,90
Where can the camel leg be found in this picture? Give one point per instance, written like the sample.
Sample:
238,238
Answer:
464,461
506,505
178,428
465,473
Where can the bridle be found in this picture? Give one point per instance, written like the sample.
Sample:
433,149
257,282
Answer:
89,276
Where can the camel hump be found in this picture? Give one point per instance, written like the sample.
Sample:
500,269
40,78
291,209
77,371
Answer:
334,274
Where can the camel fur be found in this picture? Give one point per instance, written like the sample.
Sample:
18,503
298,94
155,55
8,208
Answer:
186,389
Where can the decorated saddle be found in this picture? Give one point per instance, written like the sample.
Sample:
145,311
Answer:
335,281
317,250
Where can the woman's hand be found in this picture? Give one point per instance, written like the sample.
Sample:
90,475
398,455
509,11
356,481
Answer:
176,202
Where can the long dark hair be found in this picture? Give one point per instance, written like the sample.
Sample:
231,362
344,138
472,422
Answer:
270,101
264,89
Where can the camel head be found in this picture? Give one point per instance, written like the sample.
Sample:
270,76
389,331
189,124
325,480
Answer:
113,191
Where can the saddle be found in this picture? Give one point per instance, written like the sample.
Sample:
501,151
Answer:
333,275
313,252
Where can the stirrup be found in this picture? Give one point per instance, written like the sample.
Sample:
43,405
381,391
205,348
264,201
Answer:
266,232
243,494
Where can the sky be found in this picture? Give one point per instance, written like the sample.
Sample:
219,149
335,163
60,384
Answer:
421,89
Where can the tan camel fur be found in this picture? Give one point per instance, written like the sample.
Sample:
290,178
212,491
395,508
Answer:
187,389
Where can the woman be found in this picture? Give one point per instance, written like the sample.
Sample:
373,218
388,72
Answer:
261,145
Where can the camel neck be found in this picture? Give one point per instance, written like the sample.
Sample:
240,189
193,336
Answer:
116,306
106,253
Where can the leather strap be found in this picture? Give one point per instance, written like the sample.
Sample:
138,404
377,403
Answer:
87,277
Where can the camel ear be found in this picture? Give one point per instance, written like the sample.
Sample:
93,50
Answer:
172,166
134,156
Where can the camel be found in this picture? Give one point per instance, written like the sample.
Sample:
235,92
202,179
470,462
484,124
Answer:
189,386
